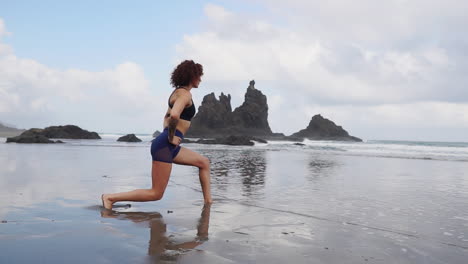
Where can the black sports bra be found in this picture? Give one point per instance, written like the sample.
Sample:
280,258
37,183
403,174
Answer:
188,112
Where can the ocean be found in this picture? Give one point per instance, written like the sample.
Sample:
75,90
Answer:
450,151
317,202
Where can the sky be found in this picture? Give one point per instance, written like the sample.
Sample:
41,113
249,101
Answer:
395,70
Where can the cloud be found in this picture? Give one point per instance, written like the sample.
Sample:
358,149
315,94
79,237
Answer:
3,30
380,57
408,115
234,47
4,49
29,85
373,23
30,90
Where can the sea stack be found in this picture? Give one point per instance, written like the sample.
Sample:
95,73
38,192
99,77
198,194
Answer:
321,128
215,118
129,138
251,118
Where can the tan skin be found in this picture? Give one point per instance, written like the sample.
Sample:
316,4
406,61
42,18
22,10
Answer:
161,171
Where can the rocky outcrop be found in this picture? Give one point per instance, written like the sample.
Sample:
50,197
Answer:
321,128
251,118
70,132
37,135
33,135
215,117
129,138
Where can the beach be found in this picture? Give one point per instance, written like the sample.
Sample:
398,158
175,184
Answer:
322,202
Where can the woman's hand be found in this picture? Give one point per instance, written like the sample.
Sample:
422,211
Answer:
175,140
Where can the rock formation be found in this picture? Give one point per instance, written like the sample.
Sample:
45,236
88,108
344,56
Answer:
129,138
321,128
33,135
37,135
70,132
215,117
251,118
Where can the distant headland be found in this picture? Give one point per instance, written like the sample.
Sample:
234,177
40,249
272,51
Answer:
37,135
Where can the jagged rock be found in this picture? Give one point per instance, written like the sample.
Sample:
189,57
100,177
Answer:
37,135
251,118
321,128
129,138
215,118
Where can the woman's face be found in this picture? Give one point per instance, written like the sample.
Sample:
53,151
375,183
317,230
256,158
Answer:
196,82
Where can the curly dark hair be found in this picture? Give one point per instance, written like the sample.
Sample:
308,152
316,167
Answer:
185,73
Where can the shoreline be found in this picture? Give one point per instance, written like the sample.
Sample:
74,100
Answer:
329,208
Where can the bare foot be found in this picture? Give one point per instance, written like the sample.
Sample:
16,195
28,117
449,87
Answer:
106,203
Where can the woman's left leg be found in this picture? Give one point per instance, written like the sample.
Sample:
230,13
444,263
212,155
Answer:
160,173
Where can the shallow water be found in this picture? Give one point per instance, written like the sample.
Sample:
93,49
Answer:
273,204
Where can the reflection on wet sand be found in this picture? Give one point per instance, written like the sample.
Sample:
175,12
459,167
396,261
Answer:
249,167
252,169
322,166
160,242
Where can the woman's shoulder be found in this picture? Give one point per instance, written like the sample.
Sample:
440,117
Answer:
183,92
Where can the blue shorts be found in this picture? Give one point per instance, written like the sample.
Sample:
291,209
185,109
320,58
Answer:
162,150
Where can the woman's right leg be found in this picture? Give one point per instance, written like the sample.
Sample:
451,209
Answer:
160,172
192,158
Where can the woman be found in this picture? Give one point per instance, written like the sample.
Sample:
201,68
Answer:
166,149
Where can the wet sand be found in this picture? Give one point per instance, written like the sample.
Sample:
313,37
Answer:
271,206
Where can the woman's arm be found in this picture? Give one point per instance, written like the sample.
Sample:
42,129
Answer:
182,100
